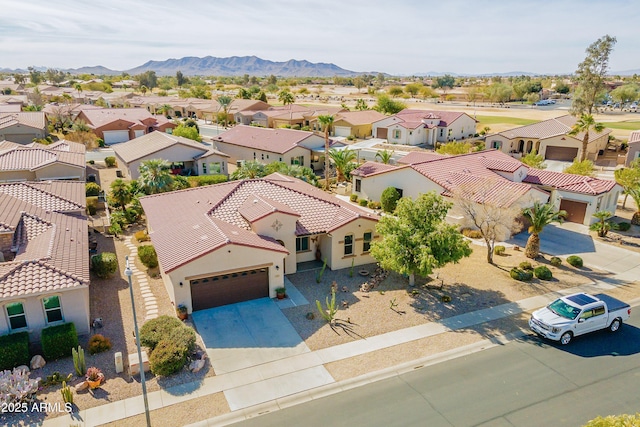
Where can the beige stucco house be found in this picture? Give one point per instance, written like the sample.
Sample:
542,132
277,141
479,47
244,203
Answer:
549,138
356,123
38,162
633,151
186,156
416,127
116,125
44,257
235,241
22,127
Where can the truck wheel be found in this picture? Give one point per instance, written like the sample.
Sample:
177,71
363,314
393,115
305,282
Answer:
566,338
615,325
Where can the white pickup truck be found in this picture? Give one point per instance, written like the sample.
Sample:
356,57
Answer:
578,314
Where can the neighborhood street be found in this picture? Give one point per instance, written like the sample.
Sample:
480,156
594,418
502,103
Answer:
528,382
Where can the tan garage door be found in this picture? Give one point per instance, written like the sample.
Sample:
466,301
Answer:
561,153
382,133
575,210
230,288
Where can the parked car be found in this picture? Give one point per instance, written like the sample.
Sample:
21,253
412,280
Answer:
578,314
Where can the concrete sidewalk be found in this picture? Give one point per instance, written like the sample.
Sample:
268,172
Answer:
299,378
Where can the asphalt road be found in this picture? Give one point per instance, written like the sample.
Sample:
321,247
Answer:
528,382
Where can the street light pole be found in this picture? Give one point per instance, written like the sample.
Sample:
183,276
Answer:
129,273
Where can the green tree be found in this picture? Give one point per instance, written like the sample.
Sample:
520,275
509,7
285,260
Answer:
225,101
165,109
155,176
389,199
181,80
454,148
361,105
18,78
144,90
602,226
416,239
395,91
261,96
387,105
120,193
445,82
35,76
359,83
539,215
534,160
625,94
499,93
286,97
628,178
563,88
148,79
384,156
413,89
342,159
590,76
635,195
243,94
249,170
585,124
615,421
187,132
326,121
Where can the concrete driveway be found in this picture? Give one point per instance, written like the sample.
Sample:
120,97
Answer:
238,336
574,239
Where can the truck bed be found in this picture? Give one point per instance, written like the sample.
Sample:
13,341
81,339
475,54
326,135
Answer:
613,304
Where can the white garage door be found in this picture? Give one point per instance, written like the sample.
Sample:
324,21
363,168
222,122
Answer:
342,131
115,136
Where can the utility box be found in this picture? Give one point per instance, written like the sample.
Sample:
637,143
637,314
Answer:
119,362
134,365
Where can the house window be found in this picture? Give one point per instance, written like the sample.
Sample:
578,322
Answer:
358,185
262,156
302,244
297,160
215,167
399,190
366,245
52,309
204,168
280,159
599,204
348,244
16,315
397,133
441,132
169,131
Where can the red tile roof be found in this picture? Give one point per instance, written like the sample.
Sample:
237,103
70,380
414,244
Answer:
419,157
411,119
152,143
216,215
550,128
373,168
265,139
567,182
99,118
34,119
49,238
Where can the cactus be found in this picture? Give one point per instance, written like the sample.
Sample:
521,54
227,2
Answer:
78,361
67,393
321,272
330,313
353,260
16,387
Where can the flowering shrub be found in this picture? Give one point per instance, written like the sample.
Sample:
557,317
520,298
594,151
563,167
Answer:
16,387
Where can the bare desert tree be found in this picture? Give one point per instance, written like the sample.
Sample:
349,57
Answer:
489,214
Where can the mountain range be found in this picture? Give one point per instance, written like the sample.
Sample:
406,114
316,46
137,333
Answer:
254,66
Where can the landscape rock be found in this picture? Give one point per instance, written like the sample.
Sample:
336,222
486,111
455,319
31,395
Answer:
23,368
37,362
196,365
82,386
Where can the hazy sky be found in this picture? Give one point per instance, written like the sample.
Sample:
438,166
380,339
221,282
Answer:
400,37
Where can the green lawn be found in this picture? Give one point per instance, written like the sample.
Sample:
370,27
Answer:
635,125
491,120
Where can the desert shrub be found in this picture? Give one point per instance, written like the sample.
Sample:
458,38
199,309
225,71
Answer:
110,161
521,275
148,256
104,264
99,343
202,180
575,261
389,199
472,234
620,226
499,250
92,189
167,358
141,236
363,202
155,330
92,205
100,142
525,265
15,350
184,337
555,261
353,197
57,341
371,204
542,272
131,215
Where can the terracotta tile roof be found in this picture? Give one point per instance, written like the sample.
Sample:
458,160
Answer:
356,118
411,119
550,128
26,158
99,118
213,152
265,139
33,119
419,157
490,190
50,239
567,182
373,168
151,143
216,215
635,136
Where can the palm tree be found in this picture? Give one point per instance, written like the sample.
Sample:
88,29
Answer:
120,193
342,159
155,176
326,121
224,102
286,97
539,215
165,109
602,226
384,156
143,89
635,195
249,170
78,88
585,124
